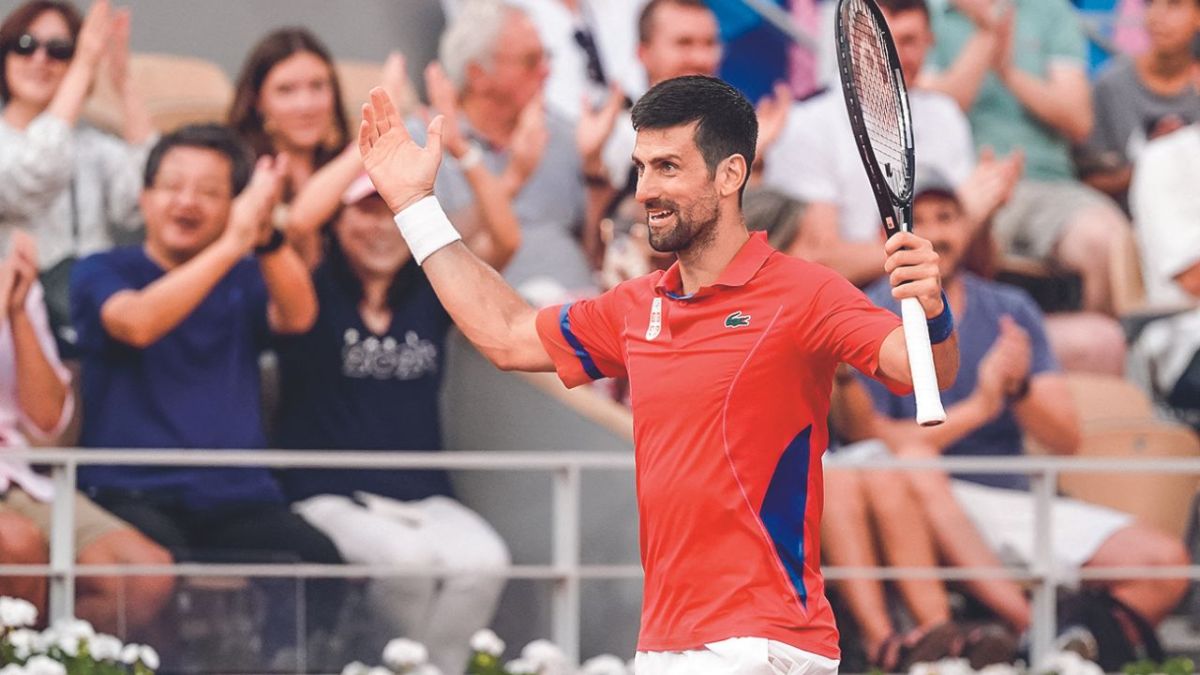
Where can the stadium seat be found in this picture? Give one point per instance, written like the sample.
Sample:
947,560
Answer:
1101,399
1159,499
1125,269
178,90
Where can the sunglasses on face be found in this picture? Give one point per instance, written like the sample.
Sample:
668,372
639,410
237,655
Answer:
58,49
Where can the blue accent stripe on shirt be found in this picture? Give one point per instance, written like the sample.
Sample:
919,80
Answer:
589,366
783,509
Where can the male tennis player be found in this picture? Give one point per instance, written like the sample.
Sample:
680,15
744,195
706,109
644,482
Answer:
730,355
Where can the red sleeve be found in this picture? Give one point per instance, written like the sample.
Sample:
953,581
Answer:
584,339
852,329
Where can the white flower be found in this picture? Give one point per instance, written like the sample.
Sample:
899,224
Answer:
426,669
105,647
44,665
73,627
69,644
12,669
521,666
148,657
1069,663
134,653
24,643
545,657
605,664
999,669
487,642
17,613
403,653
356,668
379,670
943,667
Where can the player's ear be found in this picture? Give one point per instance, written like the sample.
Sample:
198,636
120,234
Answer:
732,173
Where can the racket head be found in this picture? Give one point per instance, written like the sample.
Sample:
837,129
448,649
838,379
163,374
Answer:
877,102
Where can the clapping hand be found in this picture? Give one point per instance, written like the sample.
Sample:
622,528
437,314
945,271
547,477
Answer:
17,273
402,170
118,52
772,112
1005,367
250,217
527,144
444,101
596,124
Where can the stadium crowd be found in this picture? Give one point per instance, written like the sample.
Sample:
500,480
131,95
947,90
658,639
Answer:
145,272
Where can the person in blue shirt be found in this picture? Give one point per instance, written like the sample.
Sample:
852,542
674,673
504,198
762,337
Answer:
367,376
170,334
1009,388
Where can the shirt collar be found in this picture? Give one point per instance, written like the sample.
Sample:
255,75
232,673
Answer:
745,264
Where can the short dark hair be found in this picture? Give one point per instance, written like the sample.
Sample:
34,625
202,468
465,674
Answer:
897,6
726,122
17,23
645,25
210,137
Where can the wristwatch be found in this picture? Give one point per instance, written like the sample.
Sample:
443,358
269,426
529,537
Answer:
273,244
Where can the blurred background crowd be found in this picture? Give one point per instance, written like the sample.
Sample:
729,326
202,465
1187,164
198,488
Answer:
193,258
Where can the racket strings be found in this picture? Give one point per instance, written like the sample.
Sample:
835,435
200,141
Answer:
882,110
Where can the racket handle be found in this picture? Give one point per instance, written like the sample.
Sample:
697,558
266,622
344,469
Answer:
920,362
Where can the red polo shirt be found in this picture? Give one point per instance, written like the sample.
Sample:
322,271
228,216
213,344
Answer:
730,389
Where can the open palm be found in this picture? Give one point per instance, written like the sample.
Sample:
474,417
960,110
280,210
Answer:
403,172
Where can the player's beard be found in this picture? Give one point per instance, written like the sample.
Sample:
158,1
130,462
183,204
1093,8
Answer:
695,225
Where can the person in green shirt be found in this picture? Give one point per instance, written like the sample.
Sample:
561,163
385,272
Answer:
1017,68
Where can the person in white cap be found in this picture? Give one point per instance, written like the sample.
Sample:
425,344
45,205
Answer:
367,377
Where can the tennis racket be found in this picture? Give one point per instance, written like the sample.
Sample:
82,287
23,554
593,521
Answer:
877,102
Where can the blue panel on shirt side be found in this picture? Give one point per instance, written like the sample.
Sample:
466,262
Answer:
783,508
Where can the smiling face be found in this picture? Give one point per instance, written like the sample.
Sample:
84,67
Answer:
33,79
296,102
368,237
188,203
683,40
676,188
939,219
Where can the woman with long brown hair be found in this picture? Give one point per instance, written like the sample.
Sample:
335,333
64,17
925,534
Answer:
288,99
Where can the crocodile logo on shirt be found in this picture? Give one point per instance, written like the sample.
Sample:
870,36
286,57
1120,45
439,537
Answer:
737,320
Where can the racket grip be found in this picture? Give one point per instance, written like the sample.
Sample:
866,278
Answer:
920,363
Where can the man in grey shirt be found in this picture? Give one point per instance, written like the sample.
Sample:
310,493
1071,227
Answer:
493,56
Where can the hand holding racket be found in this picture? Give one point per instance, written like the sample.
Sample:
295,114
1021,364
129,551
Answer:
877,102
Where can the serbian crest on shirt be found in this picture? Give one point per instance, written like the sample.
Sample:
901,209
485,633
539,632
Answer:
386,358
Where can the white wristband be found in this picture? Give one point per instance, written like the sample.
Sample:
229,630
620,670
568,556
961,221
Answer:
426,228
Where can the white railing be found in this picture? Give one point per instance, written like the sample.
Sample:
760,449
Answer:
565,568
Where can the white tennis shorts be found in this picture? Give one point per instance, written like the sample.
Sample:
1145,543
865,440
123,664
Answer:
736,656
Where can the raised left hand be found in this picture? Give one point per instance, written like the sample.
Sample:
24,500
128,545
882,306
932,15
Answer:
912,268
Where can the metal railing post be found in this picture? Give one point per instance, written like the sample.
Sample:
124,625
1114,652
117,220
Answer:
62,542
567,606
1045,619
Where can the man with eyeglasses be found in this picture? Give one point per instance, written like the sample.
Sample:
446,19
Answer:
497,67
170,334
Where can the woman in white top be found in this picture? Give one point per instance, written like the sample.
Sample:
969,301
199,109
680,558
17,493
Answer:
72,186
36,400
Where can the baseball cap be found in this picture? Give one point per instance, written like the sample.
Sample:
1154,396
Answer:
931,181
360,189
